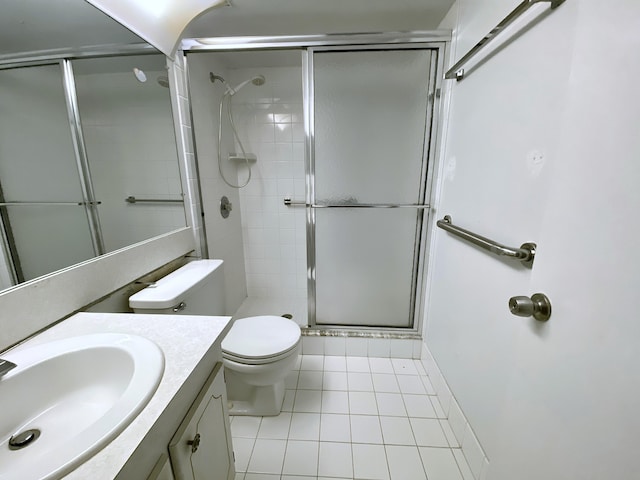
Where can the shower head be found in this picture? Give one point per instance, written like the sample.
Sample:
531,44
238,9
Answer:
256,80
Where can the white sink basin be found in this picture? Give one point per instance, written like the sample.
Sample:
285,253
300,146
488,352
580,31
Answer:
79,393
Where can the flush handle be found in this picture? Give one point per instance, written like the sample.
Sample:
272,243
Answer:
178,308
538,306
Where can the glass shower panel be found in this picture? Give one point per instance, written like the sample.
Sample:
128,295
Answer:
370,110
369,125
364,266
38,165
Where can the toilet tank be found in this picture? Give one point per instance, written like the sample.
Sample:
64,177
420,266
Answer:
196,288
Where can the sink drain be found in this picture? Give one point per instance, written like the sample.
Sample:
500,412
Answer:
23,439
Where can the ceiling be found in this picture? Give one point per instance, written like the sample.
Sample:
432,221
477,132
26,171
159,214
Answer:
33,25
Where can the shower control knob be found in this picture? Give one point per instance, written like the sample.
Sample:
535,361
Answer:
538,306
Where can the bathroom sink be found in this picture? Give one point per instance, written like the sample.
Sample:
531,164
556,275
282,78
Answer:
67,399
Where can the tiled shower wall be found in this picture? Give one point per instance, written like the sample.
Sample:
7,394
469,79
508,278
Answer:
269,119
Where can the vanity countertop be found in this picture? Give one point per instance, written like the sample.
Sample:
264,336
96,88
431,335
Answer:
189,343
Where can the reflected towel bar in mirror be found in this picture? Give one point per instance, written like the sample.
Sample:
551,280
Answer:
132,199
292,203
525,253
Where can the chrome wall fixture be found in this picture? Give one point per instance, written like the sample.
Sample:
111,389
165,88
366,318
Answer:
132,199
457,71
526,252
291,203
538,306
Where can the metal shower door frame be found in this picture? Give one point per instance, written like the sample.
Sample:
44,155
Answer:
437,50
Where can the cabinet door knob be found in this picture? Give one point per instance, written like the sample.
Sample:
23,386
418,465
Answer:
195,443
538,306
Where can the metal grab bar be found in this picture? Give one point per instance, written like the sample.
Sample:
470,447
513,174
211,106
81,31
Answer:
290,203
132,199
457,71
55,204
525,253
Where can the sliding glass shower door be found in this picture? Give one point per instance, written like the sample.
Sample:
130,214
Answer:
370,124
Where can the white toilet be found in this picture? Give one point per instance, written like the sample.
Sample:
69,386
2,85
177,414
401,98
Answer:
258,352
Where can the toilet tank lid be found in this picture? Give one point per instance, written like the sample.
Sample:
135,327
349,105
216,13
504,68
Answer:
170,290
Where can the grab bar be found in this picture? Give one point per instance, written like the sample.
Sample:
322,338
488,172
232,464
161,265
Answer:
132,199
290,203
525,253
47,204
457,71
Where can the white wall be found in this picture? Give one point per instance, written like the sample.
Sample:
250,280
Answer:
542,145
224,236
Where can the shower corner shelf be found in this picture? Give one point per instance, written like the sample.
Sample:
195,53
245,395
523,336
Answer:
251,157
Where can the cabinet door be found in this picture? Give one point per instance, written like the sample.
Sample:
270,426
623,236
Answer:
201,448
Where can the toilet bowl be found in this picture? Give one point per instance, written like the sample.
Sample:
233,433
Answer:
257,353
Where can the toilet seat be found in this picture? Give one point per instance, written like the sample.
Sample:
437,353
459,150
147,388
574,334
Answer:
260,340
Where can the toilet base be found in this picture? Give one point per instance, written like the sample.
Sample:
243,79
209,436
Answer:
251,400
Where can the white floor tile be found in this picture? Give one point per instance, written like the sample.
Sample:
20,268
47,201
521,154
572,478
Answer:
436,406
261,476
419,406
391,404
305,426
301,458
335,364
381,365
428,386
370,462
312,362
358,364
275,427
335,346
404,366
239,476
334,428
440,464
242,448
335,381
428,432
362,403
308,401
397,431
451,438
335,460
420,367
359,382
405,462
385,382
335,402
309,380
291,380
289,398
246,427
366,429
267,456
408,384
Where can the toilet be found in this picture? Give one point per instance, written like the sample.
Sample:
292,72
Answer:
258,352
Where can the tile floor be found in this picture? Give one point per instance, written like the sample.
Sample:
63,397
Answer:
351,418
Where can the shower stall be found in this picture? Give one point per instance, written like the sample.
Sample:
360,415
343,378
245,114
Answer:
340,141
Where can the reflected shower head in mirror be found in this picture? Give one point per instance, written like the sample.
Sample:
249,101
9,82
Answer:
163,81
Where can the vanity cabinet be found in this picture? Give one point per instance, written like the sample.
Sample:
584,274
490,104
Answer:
201,447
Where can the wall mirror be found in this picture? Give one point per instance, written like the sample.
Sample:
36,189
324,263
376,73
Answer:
88,159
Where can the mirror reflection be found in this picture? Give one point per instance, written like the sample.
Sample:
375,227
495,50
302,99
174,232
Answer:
57,209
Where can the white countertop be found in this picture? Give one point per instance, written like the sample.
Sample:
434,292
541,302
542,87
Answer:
185,341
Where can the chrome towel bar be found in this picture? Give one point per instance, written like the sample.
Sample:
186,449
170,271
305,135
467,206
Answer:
525,253
457,71
132,199
290,203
